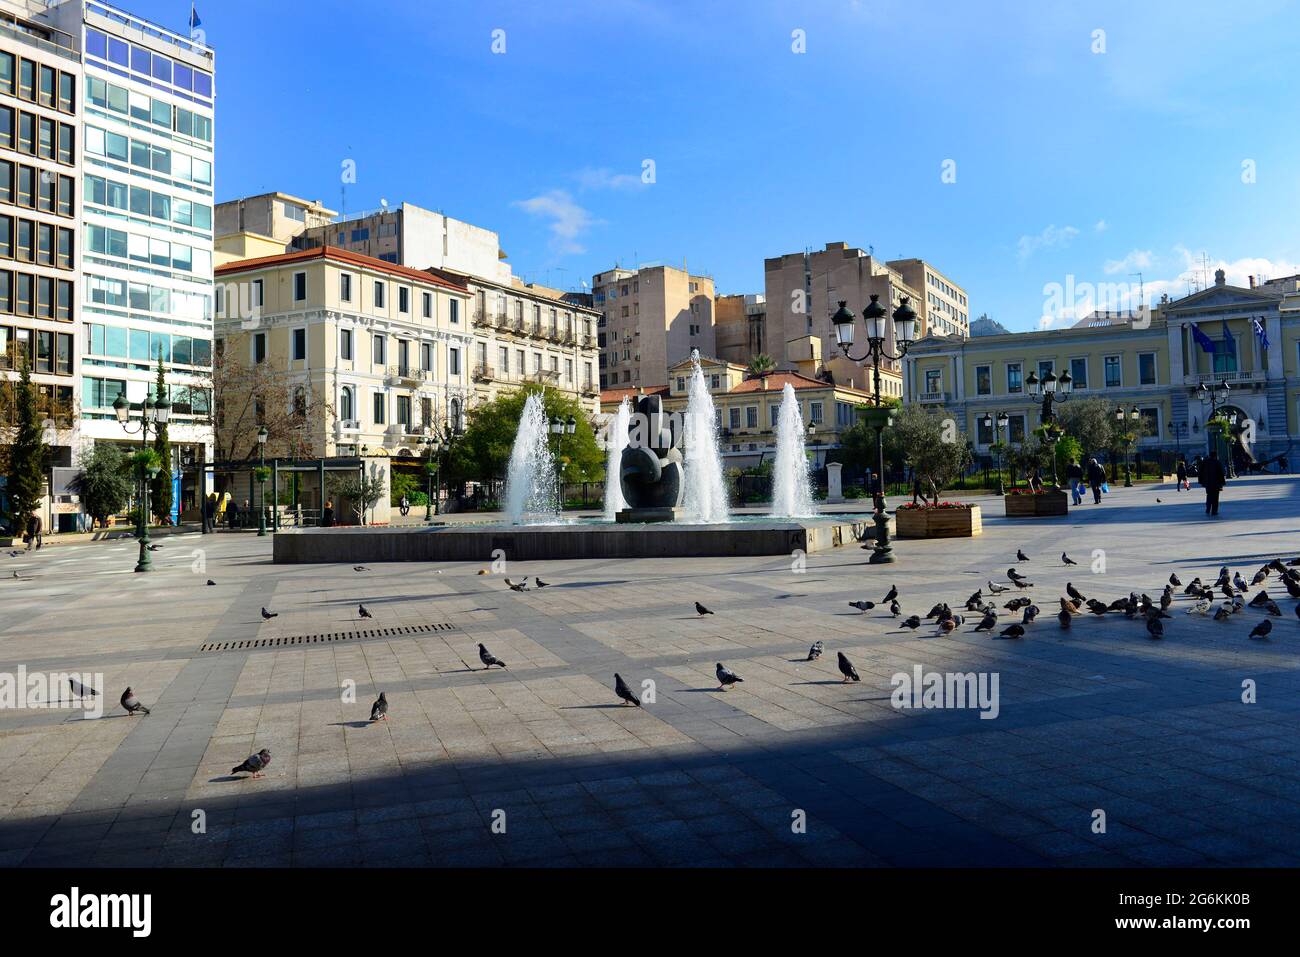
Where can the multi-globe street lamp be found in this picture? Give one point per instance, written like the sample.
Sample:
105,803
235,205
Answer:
1001,420
262,435
432,447
1123,417
152,413
878,418
560,427
1052,390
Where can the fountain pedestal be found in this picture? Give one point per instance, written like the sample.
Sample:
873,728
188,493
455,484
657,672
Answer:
667,513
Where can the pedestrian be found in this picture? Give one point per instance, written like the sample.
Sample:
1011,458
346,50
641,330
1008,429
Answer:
1283,466
327,515
1212,479
207,506
33,536
1096,478
1035,479
1181,474
918,491
404,507
246,514
1074,474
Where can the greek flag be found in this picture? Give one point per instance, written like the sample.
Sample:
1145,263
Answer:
1229,343
1201,339
1260,334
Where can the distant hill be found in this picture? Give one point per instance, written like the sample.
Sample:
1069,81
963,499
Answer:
984,326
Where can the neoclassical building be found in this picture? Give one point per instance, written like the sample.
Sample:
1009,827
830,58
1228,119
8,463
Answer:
1244,338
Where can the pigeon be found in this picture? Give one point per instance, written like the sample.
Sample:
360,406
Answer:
132,704
623,691
997,589
539,583
1074,592
211,582
1021,583
254,763
1173,580
1193,587
153,548
1292,587
1222,614
518,586
1166,599
1272,608
488,658
816,650
701,610
268,615
1031,612
847,670
1012,631
863,606
975,601
1154,628
80,690
363,612
1069,607
1159,500
947,625
913,622
1067,560
895,608
1202,607
1064,618
937,610
1096,607
726,677
989,620
1259,578
1260,600
1016,604
1015,575
893,593
1262,629
379,710
360,568
1021,556
1119,604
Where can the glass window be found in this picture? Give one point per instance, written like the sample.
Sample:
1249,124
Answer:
300,344
140,345
1146,368
1014,382
1079,373
1113,373
983,380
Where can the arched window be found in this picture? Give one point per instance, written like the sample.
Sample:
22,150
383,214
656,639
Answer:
346,406
453,415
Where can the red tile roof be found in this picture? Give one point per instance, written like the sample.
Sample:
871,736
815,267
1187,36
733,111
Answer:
338,255
616,395
776,381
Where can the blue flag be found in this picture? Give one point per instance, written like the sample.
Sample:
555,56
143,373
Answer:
1261,335
194,18
1201,339
1229,343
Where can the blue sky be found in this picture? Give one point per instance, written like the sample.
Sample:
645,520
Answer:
1069,162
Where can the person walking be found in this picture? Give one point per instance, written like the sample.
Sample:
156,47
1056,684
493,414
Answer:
1212,479
207,505
327,515
404,507
1035,479
1074,474
1096,478
34,526
1181,474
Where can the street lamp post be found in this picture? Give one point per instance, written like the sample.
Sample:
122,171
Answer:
1053,390
904,328
1001,420
1132,415
560,427
431,448
1216,398
152,413
262,436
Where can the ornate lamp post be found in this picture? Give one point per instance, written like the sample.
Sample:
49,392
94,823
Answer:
1001,420
262,435
1132,415
153,414
432,447
560,427
1052,390
878,418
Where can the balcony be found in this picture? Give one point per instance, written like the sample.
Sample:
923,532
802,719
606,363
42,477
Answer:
933,397
1194,380
484,373
408,376
544,376
590,388
484,320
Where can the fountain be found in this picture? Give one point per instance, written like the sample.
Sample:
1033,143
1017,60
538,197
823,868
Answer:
616,440
705,500
791,491
530,479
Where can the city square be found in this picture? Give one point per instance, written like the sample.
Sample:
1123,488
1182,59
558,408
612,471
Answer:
540,764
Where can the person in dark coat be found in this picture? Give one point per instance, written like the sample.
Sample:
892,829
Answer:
1212,479
1181,474
34,527
327,515
1096,478
1074,475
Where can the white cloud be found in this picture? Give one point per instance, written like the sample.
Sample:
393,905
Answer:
604,178
1052,236
1101,226
1136,260
568,220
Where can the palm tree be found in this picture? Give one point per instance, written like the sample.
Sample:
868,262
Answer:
760,365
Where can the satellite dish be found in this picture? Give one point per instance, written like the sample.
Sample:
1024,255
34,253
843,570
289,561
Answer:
383,203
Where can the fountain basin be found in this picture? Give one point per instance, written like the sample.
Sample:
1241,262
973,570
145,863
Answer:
476,543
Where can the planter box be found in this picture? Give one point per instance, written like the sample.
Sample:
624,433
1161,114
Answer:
938,522
1048,503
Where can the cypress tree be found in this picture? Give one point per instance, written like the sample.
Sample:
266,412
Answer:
160,489
27,455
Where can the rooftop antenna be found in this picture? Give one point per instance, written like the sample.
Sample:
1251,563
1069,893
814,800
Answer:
1141,290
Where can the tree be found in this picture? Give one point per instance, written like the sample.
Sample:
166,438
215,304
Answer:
404,483
362,490
1090,421
27,453
160,488
760,365
483,452
104,483
857,449
929,443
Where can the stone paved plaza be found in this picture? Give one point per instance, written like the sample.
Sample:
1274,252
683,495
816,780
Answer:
1154,733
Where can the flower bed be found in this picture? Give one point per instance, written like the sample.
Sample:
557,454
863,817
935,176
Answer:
1022,502
942,520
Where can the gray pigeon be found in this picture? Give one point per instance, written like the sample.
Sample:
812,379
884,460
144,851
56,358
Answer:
518,586
1012,631
267,615
363,612
379,710
913,622
1155,628
1030,613
488,658
862,606
989,620
211,582
132,704
847,669
816,650
1262,629
80,690
701,610
623,691
726,677
255,764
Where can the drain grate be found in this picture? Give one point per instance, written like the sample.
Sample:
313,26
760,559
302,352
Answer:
290,641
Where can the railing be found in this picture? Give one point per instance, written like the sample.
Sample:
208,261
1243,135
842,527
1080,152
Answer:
933,396
543,375
483,319
590,388
398,375
484,373
1213,378
150,29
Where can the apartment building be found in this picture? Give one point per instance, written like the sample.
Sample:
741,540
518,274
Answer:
739,327
377,354
264,225
652,317
40,168
529,333
943,308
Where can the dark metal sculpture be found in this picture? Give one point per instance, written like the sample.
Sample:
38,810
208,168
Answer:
651,469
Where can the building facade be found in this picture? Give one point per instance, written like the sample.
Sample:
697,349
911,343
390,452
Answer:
1155,363
376,354
651,318
739,328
